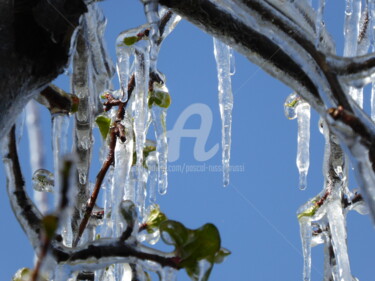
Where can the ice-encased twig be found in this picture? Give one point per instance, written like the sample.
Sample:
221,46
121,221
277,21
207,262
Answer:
372,40
223,55
27,214
36,145
303,142
358,150
83,88
121,173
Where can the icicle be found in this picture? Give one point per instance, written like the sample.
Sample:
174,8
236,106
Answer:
60,126
152,15
152,166
351,34
140,114
303,142
338,231
159,115
123,162
169,274
306,237
348,7
123,65
223,55
36,148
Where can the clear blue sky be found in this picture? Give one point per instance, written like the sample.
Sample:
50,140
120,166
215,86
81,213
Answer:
256,213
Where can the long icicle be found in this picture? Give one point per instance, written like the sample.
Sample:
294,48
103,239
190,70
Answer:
223,55
36,147
303,142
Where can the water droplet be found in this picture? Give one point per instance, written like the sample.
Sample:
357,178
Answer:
43,180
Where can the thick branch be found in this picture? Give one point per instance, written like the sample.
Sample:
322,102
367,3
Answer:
34,49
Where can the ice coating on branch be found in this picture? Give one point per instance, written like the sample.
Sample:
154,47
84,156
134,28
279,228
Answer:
121,174
60,126
319,24
372,36
223,56
306,237
303,142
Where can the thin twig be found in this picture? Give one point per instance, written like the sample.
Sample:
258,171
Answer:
117,131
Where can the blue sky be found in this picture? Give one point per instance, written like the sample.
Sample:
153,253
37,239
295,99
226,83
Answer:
256,213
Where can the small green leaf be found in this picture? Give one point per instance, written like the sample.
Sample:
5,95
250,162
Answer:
104,124
49,224
162,99
155,218
198,249
128,41
308,213
22,274
294,102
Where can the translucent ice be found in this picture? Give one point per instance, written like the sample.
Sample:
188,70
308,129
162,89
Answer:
223,56
43,180
303,142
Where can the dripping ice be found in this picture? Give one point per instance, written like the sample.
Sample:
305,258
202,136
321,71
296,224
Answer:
223,57
295,107
303,142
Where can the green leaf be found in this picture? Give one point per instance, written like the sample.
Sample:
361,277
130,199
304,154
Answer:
162,99
174,233
155,218
128,41
198,249
49,224
308,212
104,124
294,102
203,243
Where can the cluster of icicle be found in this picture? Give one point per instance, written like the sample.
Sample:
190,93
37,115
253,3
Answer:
128,179
91,77
323,218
